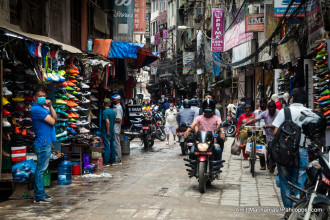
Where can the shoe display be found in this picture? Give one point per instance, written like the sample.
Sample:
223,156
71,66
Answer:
84,100
5,113
83,130
18,99
5,123
93,98
61,102
60,96
6,92
72,104
5,101
61,112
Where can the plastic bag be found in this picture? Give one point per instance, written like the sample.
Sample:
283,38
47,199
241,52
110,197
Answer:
235,147
24,170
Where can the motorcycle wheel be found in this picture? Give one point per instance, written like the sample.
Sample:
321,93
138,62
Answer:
208,183
202,177
300,215
145,141
151,142
230,131
184,148
160,133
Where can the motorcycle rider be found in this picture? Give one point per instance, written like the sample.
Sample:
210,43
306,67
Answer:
194,104
207,122
186,115
207,95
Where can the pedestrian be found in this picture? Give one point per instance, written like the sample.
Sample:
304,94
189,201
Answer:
170,122
268,117
108,133
295,174
231,111
119,116
277,102
285,102
240,109
243,119
43,120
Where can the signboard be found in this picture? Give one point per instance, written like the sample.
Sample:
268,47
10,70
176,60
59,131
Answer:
217,29
242,51
139,16
236,36
156,36
270,21
315,23
164,35
188,61
281,6
254,23
147,34
123,11
288,52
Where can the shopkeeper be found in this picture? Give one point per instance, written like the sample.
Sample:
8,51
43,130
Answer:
43,119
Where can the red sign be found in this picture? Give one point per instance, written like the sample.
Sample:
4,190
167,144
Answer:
139,17
254,23
218,29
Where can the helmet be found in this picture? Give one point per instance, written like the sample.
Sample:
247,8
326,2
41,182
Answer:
186,103
208,103
193,102
314,127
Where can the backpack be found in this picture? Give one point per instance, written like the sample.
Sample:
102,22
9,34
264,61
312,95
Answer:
285,145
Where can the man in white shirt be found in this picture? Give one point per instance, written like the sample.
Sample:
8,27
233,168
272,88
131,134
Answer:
298,99
119,116
170,122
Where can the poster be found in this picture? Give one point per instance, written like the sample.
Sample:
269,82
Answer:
123,11
270,21
217,30
315,25
147,34
164,35
254,23
139,16
188,61
288,52
156,38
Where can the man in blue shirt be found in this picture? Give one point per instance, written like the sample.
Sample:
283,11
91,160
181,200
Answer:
108,133
43,120
186,115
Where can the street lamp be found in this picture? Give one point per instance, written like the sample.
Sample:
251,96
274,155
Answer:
183,28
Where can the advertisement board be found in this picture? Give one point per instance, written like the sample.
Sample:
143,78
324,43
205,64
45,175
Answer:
217,29
139,16
280,7
123,11
188,61
236,36
254,23
147,34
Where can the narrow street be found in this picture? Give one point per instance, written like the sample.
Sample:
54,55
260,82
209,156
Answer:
155,185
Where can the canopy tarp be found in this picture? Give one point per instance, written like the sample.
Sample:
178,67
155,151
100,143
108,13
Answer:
144,58
123,50
102,46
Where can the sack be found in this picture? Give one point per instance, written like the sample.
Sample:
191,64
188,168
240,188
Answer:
285,145
24,170
243,134
236,147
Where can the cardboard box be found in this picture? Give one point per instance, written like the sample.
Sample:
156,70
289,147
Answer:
98,164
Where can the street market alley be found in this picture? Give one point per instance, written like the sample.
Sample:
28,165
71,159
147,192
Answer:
154,185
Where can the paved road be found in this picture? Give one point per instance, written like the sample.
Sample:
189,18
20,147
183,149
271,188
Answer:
155,185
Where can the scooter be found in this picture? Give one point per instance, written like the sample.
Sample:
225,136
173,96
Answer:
205,168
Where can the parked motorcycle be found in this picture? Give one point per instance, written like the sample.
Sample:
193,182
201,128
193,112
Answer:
185,143
231,129
315,201
158,122
205,168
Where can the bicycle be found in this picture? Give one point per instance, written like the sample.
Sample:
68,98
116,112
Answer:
254,137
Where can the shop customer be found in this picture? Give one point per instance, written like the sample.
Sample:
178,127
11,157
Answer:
119,116
170,122
108,133
43,121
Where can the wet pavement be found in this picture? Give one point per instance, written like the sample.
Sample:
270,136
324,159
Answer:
154,185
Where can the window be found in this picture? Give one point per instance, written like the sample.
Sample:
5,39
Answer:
152,6
160,6
165,4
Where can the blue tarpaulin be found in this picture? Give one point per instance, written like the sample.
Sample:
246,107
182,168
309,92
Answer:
215,68
123,50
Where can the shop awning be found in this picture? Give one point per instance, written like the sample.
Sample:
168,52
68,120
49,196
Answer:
144,58
15,31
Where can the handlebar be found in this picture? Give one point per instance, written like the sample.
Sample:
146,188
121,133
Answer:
254,127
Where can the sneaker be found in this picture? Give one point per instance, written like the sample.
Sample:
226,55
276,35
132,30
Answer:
46,90
53,77
70,96
5,101
92,115
83,130
116,164
93,98
38,75
70,129
60,96
61,72
18,99
93,106
72,104
57,110
73,115
94,125
65,133
61,102
5,91
62,139
84,86
43,200
68,88
85,93
5,123
63,84
82,122
84,100
6,113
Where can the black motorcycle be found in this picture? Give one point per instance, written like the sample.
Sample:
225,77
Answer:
205,168
315,200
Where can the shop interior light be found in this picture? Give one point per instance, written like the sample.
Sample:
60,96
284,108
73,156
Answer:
13,35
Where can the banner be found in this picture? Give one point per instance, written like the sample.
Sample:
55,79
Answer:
217,30
254,23
156,42
164,35
236,36
188,61
147,34
139,16
123,11
315,25
270,21
282,5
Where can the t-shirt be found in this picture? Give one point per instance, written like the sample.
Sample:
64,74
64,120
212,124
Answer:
186,116
268,119
110,114
200,112
295,110
119,114
278,105
44,132
207,124
170,117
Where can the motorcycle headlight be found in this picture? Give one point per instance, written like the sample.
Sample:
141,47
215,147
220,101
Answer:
202,146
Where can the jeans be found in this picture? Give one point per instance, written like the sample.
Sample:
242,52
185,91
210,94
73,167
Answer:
43,154
109,147
118,148
290,174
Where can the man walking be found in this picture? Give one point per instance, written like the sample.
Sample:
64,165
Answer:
119,116
170,122
43,121
108,133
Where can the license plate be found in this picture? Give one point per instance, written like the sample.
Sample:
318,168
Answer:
326,180
203,153
145,128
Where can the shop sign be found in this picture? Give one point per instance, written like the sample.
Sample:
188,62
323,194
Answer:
288,52
123,11
236,36
164,35
217,29
242,51
314,24
254,23
156,36
147,34
270,21
282,5
188,61
139,16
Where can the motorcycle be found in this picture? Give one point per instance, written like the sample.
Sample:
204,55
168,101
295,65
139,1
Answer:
231,129
158,126
205,168
185,143
314,202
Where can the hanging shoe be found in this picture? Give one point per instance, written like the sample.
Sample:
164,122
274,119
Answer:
6,92
6,113
5,123
61,102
